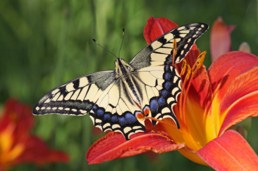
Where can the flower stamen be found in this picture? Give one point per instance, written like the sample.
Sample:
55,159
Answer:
187,74
174,53
199,62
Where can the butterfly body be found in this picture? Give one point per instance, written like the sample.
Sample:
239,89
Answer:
116,100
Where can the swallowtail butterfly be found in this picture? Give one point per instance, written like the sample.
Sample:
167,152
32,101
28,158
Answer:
117,99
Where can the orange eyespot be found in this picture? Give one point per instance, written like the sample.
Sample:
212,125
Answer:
139,115
146,111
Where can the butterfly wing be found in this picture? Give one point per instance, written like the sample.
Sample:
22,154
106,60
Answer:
160,87
160,81
158,51
75,97
98,94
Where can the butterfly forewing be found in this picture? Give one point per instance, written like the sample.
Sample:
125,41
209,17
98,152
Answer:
75,97
112,101
168,81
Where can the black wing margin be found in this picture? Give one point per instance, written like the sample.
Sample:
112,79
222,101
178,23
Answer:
75,97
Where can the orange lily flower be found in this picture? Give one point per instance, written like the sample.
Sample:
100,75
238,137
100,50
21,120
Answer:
17,145
211,102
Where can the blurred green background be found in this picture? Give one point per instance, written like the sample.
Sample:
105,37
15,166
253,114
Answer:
44,43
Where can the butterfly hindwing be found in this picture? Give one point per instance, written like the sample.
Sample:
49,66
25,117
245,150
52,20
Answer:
160,87
113,110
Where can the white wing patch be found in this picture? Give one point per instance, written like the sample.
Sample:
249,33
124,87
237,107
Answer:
93,91
147,78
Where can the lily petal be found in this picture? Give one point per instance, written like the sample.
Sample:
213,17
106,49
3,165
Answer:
241,99
114,146
230,65
38,152
200,89
20,114
156,27
220,38
229,152
19,145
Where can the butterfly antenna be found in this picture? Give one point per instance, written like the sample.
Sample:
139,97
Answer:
94,40
122,42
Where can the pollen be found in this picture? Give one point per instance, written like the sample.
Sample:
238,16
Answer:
199,62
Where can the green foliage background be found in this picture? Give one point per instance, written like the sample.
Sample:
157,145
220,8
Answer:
44,43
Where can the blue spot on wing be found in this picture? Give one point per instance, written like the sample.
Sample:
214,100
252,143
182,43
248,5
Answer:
122,121
167,76
100,112
94,108
106,117
164,93
168,85
154,105
162,101
114,119
130,118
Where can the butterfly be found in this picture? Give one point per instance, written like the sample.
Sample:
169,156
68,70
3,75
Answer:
120,100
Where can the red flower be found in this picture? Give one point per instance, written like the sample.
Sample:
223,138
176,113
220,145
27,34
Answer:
17,144
210,103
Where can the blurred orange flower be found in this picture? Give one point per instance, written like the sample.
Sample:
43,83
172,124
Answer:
17,144
210,103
